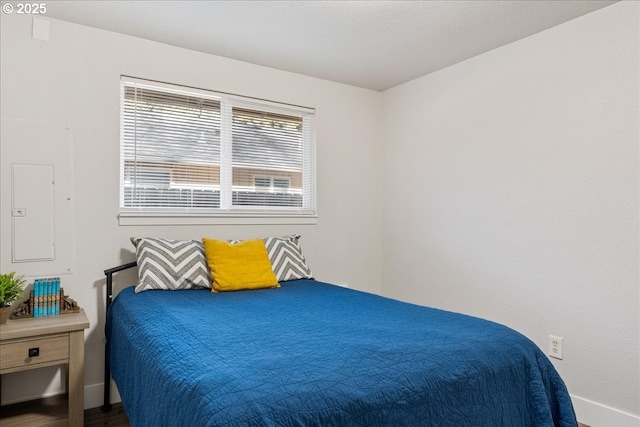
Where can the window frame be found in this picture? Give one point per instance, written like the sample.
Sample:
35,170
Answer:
306,214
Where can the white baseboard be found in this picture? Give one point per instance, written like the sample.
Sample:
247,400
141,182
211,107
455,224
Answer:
93,395
596,414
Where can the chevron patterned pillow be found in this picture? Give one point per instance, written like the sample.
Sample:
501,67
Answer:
170,264
286,258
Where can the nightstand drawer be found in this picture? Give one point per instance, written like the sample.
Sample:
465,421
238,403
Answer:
16,354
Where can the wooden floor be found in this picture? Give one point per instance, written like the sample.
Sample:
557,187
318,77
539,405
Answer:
115,417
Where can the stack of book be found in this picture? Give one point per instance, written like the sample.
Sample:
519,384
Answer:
46,297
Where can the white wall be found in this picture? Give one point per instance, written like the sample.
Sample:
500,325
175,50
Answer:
522,164
73,79
511,193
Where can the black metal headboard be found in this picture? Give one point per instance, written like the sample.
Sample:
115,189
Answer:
107,368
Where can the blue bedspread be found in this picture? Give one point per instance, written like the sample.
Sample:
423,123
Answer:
314,354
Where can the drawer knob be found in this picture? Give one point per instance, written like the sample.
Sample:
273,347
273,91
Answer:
34,352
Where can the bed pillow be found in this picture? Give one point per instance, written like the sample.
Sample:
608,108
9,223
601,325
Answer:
237,266
287,260
170,264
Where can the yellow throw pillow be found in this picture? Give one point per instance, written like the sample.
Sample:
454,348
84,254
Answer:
243,265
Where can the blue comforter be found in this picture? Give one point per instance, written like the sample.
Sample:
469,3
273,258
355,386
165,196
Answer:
314,354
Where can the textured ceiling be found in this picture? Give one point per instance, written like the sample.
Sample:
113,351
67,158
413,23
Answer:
371,44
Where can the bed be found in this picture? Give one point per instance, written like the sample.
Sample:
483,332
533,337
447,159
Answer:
314,354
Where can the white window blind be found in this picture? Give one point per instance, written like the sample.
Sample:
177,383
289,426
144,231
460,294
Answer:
186,151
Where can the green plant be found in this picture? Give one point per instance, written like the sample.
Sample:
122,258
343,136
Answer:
11,286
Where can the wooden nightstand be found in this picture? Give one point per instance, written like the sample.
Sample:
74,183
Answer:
46,341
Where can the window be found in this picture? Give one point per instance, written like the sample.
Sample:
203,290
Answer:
281,183
267,183
262,182
194,153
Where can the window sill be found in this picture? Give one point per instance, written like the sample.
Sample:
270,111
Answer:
163,218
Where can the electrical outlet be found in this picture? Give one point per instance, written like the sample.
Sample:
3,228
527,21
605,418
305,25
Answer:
555,347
